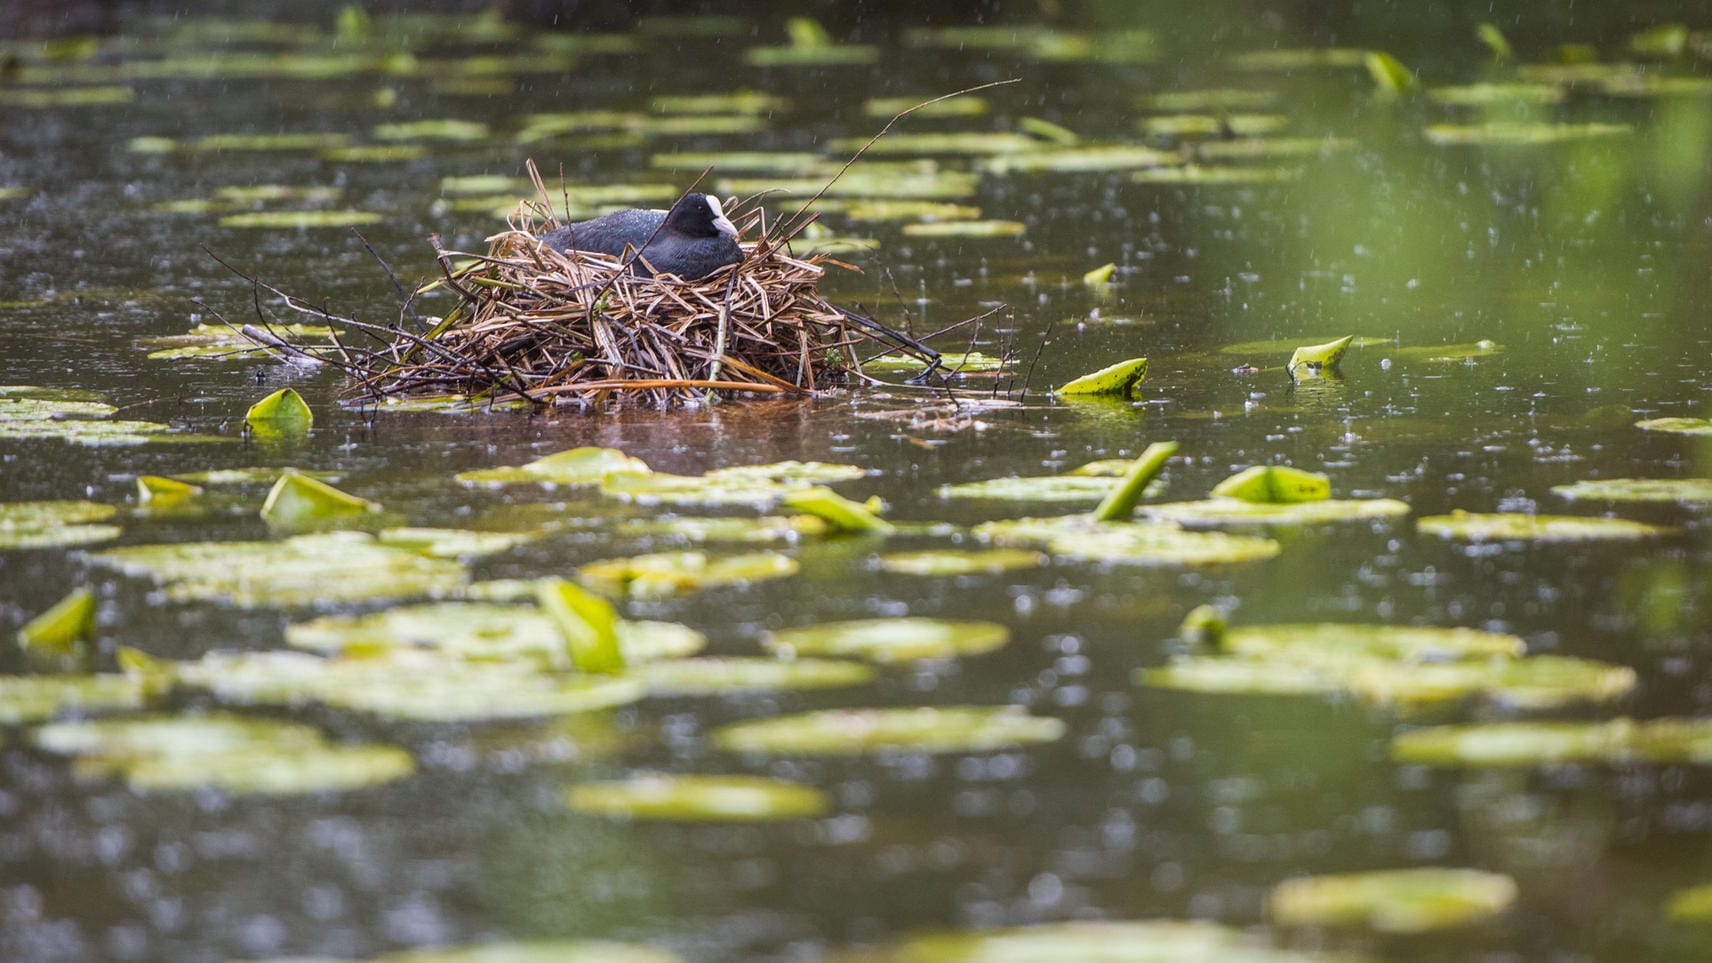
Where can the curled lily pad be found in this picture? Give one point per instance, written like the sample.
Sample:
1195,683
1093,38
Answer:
304,570
1536,528
239,755
1116,379
154,491
1685,491
411,685
1091,941
55,523
297,502
1394,901
1274,484
839,513
586,623
723,675
863,731
577,466
890,640
1681,426
959,562
1504,744
659,796
37,698
1134,543
669,573
282,413
60,637
1313,360
481,631
1221,512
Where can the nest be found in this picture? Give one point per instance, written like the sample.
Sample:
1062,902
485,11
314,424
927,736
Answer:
531,324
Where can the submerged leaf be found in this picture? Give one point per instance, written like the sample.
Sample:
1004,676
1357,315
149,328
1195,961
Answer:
659,796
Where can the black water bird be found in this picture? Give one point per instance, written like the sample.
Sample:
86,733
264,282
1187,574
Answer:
692,240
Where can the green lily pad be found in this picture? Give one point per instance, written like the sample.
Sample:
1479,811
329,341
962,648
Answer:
301,219
1684,491
14,192
320,569
1498,94
831,55
575,467
963,362
1221,512
966,229
1681,426
1199,174
481,631
1035,488
798,472
724,799
671,573
864,731
1537,682
961,562
1451,353
40,404
1312,360
839,513
536,951
1287,345
106,95
236,754
81,431
451,542
705,490
586,623
1116,379
221,341
1132,543
890,640
736,102
1252,148
217,143
1091,941
1214,99
719,676
1274,485
900,210
297,502
1691,905
37,698
282,413
412,685
61,636
1299,58
968,105
54,523
1394,901
1507,744
1211,125
452,130
254,475
929,183
1476,527
373,153
1088,159
698,529
155,492
1519,132
1214,674
785,163
1322,642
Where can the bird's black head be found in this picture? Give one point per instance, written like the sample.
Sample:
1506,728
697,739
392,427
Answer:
700,215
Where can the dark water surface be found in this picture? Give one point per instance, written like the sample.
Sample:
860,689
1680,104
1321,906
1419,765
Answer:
1587,261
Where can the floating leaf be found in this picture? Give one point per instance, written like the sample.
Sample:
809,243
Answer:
967,105
1224,512
1312,360
255,475
282,413
830,55
305,570
451,542
1212,125
798,472
1685,491
1393,901
1099,941
1681,426
1494,39
1516,132
840,513
587,623
1454,353
239,755
1117,379
946,562
537,951
1505,744
720,676
995,143
784,163
890,640
452,130
670,573
577,466
1389,74
61,636
952,360
1665,42
966,229
411,685
373,154
1134,543
36,698
1539,682
733,799
862,731
1274,484
1240,677
1339,641
930,183
301,219
1691,905
696,530
1102,274
156,491
28,403
1197,174
54,523
1476,527
297,502
663,489
736,102
1499,94
483,632
1282,345
98,96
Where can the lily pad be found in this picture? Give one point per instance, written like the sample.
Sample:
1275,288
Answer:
1518,527
83,431
671,573
699,529
735,102
831,55
452,130
800,472
966,229
586,624
1683,491
1505,744
1312,360
1691,905
705,490
575,467
1088,159
239,755
1394,901
37,698
1681,426
21,403
929,183
1116,379
1200,174
60,637
1274,485
1287,345
1499,94
322,569
719,676
1098,941
106,95
1073,486
1339,641
955,361
725,799
1212,674
418,686
864,731
282,413
536,951
480,631
253,475
1538,682
54,523
947,562
890,640
839,513
451,542
301,219
1132,543
1519,132
785,163
1223,512
1212,125
297,503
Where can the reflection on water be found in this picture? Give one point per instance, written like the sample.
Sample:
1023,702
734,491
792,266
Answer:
1275,201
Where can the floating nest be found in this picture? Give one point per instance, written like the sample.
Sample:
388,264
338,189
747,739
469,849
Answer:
534,325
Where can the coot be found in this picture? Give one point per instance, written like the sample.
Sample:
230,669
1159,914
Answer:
692,240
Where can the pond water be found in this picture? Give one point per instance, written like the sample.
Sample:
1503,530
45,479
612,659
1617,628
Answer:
1526,261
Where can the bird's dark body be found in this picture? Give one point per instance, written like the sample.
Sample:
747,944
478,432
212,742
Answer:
692,241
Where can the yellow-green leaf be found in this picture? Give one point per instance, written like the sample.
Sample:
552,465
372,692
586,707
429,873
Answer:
842,513
1274,483
298,501
1117,379
282,413
1389,74
1119,503
1101,274
157,490
1311,360
588,623
58,636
